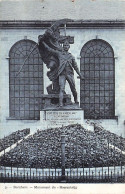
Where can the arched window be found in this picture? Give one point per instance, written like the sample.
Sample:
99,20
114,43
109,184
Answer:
97,91
25,90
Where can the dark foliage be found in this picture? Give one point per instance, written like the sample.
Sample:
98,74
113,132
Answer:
83,148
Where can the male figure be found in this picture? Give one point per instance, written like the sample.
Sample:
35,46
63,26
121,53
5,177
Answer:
65,70
53,39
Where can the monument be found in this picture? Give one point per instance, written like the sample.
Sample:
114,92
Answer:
58,109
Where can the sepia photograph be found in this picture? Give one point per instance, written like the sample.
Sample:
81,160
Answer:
62,94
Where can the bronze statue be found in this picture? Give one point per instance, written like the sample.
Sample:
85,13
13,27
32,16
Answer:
52,38
60,62
65,70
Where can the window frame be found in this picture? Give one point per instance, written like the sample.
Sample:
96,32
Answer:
84,70
28,76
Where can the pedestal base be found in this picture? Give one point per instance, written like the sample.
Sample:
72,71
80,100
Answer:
51,101
59,118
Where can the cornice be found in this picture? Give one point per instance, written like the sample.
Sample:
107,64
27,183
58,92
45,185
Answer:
85,24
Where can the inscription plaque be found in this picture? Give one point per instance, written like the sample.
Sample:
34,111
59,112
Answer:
59,118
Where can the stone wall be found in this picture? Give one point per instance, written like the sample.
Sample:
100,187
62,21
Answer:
115,37
58,9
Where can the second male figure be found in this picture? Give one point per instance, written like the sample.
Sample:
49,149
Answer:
65,70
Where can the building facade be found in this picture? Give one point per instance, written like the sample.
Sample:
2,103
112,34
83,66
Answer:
99,52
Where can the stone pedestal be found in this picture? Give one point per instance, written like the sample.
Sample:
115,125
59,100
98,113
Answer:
59,118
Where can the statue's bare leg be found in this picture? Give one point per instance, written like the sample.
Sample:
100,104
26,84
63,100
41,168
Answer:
61,98
62,81
71,81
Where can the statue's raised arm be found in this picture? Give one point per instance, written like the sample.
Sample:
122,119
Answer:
60,62
52,39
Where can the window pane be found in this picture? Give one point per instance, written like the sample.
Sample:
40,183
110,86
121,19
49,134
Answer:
99,69
22,88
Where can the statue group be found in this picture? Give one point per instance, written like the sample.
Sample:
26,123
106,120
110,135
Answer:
54,50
